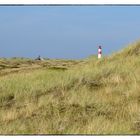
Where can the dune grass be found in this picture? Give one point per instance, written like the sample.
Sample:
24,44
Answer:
92,97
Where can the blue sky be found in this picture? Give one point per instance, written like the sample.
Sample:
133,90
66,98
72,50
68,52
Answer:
71,32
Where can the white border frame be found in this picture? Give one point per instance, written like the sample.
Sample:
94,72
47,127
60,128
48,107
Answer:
128,2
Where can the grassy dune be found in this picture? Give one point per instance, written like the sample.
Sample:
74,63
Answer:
71,97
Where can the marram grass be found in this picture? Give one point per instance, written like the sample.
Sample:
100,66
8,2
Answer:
88,97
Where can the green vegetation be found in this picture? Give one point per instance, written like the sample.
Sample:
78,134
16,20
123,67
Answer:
71,97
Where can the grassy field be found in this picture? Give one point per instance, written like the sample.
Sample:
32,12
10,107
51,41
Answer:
71,96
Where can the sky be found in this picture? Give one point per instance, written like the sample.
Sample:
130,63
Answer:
69,32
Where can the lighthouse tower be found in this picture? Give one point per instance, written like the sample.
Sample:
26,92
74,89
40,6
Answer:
99,52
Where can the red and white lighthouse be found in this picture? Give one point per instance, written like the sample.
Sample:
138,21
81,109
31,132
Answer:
99,52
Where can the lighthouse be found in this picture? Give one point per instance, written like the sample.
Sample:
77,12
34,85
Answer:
99,52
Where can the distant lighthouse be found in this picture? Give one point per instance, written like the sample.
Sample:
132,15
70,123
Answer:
99,52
